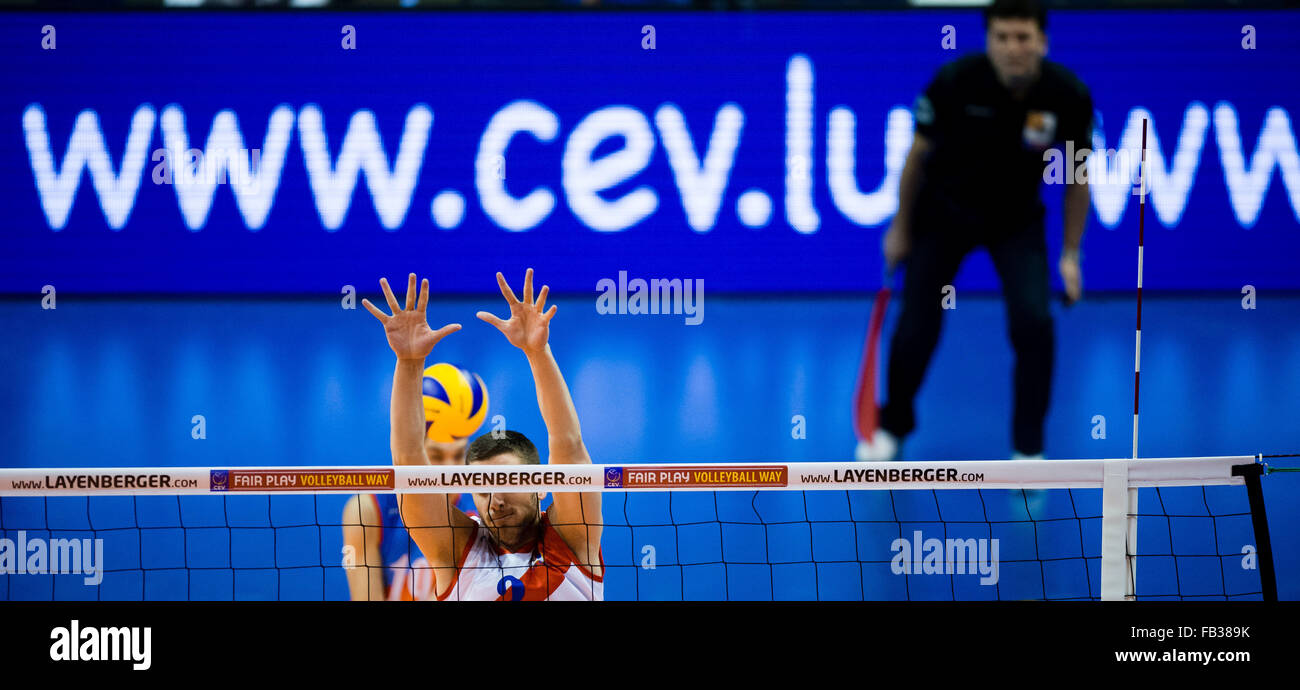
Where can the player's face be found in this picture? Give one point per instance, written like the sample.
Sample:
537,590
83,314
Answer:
1016,48
508,516
446,453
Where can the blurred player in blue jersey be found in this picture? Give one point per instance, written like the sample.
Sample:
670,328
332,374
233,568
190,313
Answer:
388,564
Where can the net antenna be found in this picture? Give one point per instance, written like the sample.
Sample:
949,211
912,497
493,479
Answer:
1119,567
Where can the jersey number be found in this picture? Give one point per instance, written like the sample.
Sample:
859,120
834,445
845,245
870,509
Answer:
513,585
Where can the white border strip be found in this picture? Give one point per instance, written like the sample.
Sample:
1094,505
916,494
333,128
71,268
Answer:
798,476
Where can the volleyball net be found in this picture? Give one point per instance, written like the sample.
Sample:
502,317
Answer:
1149,529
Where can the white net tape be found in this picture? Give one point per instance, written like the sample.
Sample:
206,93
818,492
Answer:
803,476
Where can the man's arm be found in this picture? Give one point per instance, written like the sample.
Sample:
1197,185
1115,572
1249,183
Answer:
426,516
430,518
1075,212
1078,198
909,181
362,533
897,242
575,515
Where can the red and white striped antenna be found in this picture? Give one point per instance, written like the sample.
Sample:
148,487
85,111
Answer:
1137,353
1131,545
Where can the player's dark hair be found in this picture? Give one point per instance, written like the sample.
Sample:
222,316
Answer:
496,443
1016,9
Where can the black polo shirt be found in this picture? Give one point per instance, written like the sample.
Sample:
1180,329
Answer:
988,157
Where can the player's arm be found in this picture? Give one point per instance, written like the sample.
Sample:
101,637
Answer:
362,533
909,181
428,517
897,242
1074,210
575,515
930,114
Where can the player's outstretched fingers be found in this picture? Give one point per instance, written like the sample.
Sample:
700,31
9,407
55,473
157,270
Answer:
541,297
506,291
445,331
379,314
388,295
424,296
492,319
528,287
410,292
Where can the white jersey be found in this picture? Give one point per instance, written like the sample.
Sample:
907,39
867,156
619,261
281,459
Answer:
543,571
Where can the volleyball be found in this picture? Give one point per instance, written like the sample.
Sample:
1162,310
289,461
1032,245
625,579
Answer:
455,403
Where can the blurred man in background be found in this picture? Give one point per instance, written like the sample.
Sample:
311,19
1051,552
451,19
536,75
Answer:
971,179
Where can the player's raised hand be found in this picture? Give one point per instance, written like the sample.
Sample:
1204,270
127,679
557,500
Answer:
529,325
408,329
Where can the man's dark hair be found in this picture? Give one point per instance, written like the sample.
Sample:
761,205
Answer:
488,446
1016,9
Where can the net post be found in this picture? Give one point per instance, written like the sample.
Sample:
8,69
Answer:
1130,546
1116,532
1259,521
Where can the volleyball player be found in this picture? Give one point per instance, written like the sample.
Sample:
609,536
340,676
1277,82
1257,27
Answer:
513,550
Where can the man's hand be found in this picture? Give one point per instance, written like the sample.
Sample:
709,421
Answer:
529,326
408,329
1071,275
896,244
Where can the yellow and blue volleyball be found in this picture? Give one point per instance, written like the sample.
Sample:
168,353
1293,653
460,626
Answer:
455,403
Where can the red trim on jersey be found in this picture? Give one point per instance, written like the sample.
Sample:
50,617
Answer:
568,553
469,544
542,579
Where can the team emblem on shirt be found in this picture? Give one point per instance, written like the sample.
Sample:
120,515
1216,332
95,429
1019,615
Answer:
1040,129
512,587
